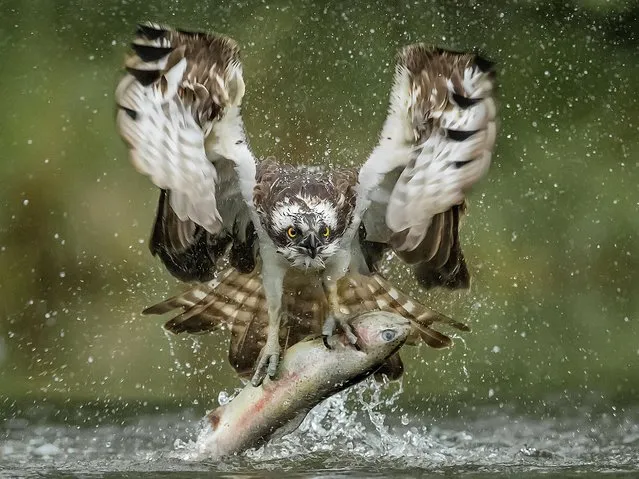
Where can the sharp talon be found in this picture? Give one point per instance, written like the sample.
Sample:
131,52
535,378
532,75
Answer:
260,373
325,339
272,365
267,365
257,379
348,331
328,328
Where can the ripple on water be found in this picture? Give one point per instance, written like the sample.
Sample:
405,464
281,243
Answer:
359,432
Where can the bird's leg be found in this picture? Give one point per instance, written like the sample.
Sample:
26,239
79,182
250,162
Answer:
335,317
270,355
269,358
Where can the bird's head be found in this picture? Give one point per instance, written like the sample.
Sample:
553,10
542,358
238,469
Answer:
306,230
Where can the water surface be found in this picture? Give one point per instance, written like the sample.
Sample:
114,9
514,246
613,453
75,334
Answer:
359,433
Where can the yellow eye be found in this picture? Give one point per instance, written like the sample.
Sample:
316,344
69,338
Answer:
291,232
327,232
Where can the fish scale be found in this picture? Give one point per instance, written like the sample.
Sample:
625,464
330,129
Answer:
308,373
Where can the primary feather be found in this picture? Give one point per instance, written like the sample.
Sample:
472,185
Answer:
179,89
436,143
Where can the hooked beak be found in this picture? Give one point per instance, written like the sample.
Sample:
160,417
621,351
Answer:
310,244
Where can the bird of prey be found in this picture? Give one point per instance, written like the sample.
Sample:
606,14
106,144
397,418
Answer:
301,228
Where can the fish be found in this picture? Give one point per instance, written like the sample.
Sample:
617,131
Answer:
308,373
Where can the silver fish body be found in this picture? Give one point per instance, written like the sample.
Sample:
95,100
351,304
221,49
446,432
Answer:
308,373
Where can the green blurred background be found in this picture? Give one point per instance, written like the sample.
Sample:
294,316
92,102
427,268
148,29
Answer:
551,234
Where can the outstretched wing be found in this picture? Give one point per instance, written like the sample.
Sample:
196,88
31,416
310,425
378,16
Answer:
179,113
436,143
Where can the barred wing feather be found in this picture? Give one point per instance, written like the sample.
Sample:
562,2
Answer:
178,112
436,143
237,301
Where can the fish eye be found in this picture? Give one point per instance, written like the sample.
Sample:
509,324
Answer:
389,334
327,232
291,232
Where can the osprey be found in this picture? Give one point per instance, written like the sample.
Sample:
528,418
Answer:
302,229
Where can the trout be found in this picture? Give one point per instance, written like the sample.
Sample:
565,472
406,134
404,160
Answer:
308,373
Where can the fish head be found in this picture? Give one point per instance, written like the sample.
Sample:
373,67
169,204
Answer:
381,333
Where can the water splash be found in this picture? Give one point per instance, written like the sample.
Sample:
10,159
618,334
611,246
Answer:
360,422
365,427
340,434
352,421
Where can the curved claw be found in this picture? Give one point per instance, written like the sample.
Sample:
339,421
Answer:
329,329
348,331
266,365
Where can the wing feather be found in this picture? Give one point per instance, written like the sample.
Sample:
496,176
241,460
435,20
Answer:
436,143
188,251
179,115
237,300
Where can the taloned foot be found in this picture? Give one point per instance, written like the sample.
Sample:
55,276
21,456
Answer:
331,324
267,364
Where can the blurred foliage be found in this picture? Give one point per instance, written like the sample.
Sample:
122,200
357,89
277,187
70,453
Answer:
551,235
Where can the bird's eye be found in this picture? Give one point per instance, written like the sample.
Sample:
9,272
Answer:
291,232
327,232
388,334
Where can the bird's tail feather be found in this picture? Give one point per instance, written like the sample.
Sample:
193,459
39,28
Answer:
236,301
361,293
